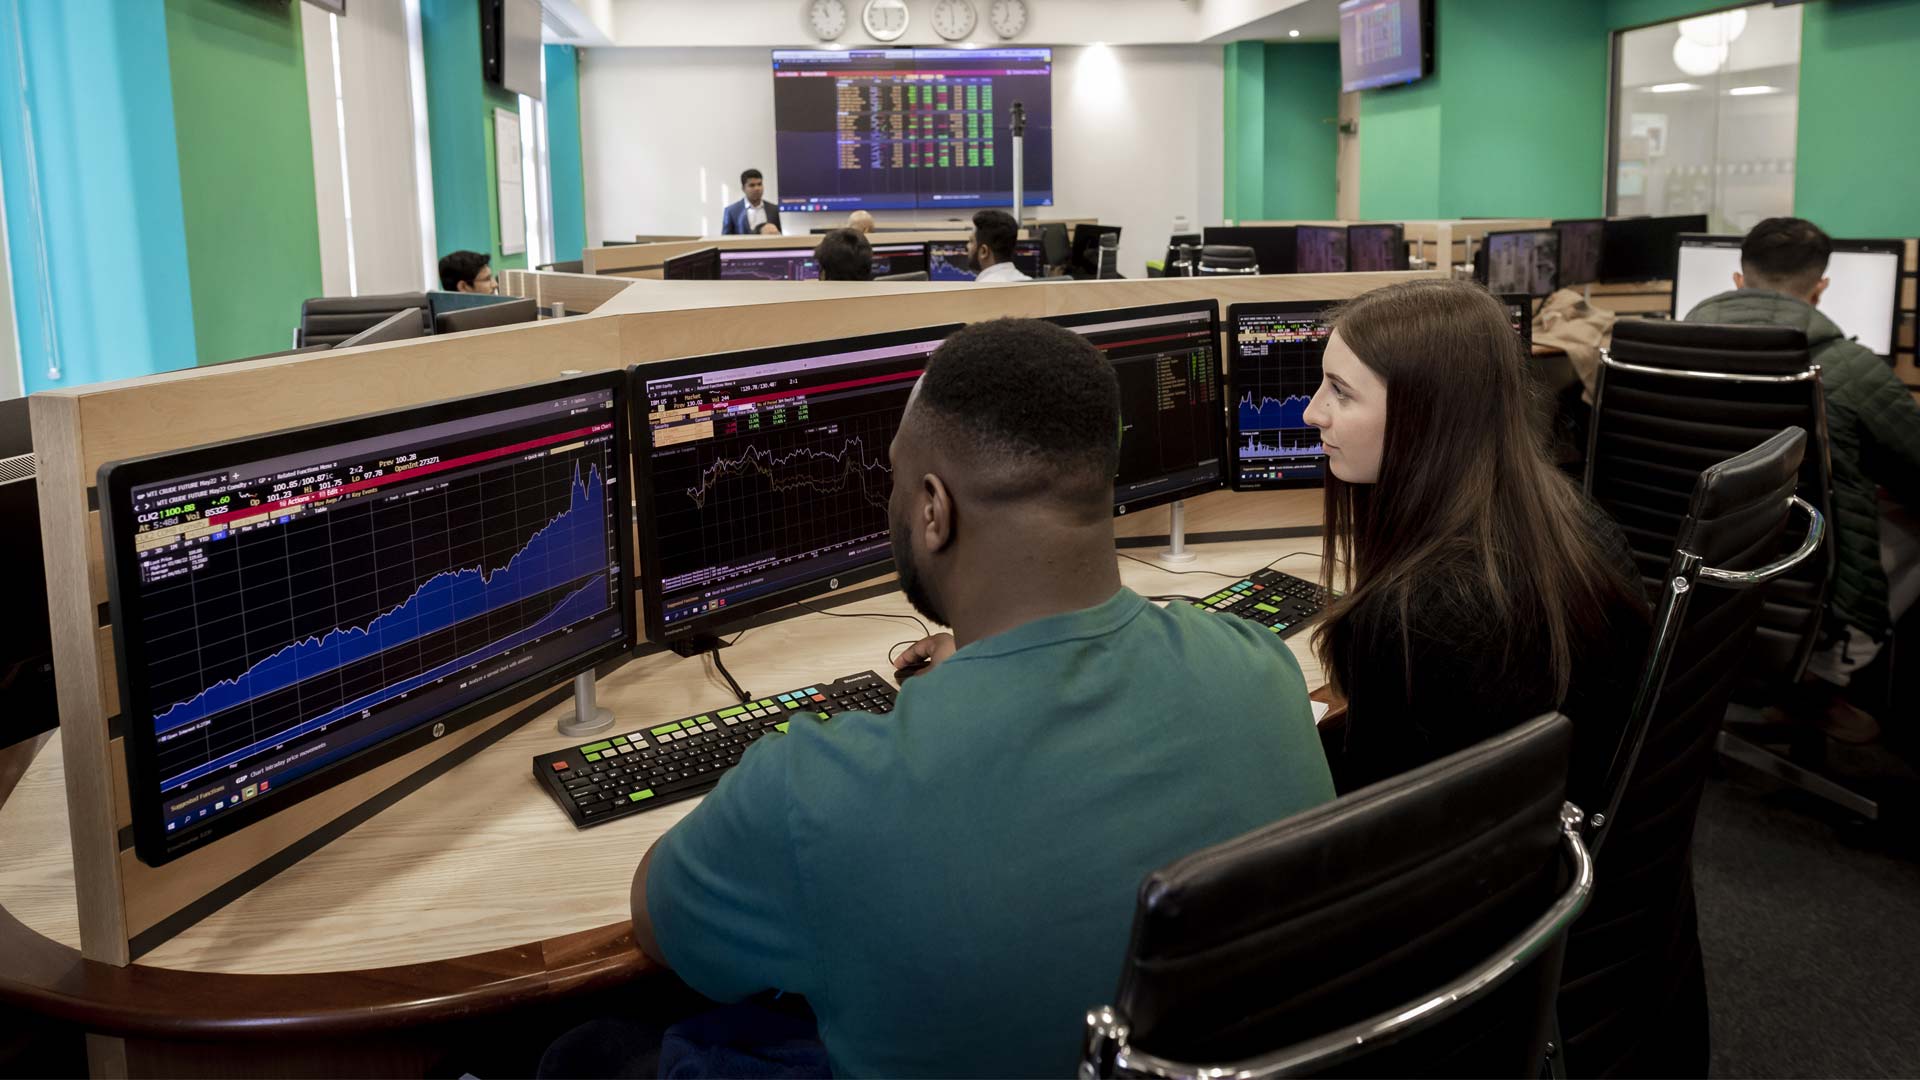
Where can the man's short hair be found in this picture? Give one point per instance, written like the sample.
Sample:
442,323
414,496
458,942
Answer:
1785,254
997,230
1032,407
459,266
750,174
845,255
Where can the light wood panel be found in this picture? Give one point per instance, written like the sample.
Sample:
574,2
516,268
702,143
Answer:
645,259
581,293
1633,298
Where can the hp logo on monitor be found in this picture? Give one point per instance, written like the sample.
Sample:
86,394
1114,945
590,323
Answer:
439,730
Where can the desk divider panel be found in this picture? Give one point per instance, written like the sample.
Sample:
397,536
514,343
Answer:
122,900
644,260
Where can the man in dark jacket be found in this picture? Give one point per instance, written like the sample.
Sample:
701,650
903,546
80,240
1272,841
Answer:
1873,430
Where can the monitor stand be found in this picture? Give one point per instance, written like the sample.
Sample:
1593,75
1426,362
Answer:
697,644
587,717
1177,552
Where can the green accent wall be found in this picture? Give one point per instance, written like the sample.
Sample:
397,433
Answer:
246,172
1282,101
565,173
1859,130
460,104
1400,152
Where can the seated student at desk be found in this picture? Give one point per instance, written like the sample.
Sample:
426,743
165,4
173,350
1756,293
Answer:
990,247
951,885
468,272
844,255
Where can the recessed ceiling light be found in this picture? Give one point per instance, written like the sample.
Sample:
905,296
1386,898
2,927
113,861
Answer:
1293,33
1749,91
1672,87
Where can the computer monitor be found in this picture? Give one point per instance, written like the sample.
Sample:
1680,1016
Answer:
293,609
770,264
1085,258
947,260
893,259
1273,368
1520,315
28,705
763,475
1523,261
1273,245
399,326
1376,247
701,265
1320,249
1644,248
505,313
1173,435
1863,290
1581,246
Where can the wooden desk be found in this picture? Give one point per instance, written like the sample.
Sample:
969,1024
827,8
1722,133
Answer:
474,893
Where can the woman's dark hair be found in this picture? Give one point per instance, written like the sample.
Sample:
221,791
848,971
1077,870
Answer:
1467,498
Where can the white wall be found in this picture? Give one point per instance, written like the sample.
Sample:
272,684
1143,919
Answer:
1138,140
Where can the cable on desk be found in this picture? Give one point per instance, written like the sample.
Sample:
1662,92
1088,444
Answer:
1215,573
721,667
915,619
893,650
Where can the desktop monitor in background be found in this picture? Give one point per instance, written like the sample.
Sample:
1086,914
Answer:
1272,244
1863,283
947,260
1376,247
27,700
1273,369
769,264
1644,248
1520,315
404,575
702,265
892,259
399,326
1172,431
763,475
1580,250
1320,249
505,313
1525,261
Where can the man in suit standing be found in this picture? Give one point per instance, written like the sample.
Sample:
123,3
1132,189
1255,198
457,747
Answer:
751,214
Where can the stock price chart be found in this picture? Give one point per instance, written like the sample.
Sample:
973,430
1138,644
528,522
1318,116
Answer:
1276,369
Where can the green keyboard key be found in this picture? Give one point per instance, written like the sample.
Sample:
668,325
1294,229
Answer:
735,711
595,748
638,795
781,726
1268,608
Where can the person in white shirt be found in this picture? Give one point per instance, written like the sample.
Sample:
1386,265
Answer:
990,247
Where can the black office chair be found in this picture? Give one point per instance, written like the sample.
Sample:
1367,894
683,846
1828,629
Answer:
1055,250
1633,996
1183,255
330,320
569,266
1228,259
1672,398
1412,927
1108,256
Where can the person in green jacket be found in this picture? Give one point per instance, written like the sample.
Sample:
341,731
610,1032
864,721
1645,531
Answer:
1873,433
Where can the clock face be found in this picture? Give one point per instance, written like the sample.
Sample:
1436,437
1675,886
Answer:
827,18
885,20
954,19
1008,17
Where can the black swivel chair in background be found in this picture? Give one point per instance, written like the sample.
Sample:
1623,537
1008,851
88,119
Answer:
1055,251
1228,259
329,320
1672,398
1633,999
1413,927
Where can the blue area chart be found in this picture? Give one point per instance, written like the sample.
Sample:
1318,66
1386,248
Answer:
1273,414
571,546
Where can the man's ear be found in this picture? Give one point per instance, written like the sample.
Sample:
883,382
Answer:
463,286
936,520
1819,291
1739,280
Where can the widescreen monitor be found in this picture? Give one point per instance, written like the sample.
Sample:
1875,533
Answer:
1172,430
1320,249
702,265
770,264
1581,245
1643,248
763,475
1863,290
1273,368
1384,43
899,129
293,609
1376,247
1273,245
892,259
946,260
1523,261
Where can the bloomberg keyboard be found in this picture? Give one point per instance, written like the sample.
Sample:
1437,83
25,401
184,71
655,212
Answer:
1280,602
662,763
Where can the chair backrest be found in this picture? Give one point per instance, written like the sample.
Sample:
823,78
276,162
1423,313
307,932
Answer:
1673,398
566,266
329,320
1630,961
1228,259
1054,248
504,313
1363,907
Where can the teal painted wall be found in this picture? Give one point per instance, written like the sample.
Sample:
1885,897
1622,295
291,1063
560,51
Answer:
1859,130
1281,101
113,300
1246,120
565,173
460,104
245,171
1400,152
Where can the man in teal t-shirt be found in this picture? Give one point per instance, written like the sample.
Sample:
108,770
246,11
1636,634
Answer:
951,885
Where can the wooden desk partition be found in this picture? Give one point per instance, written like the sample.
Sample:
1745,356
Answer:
125,907
644,260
